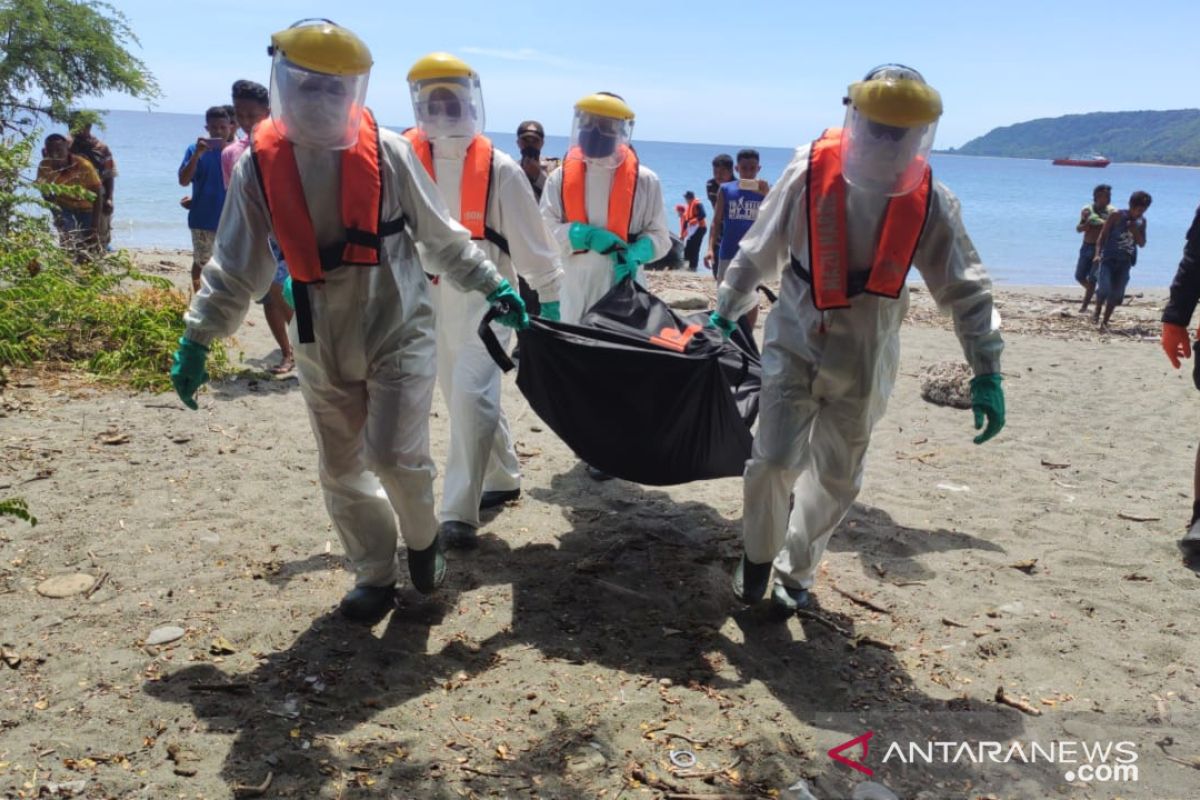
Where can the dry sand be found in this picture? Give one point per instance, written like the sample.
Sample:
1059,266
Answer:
593,632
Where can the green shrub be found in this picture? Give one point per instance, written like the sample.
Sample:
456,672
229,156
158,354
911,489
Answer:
16,507
103,316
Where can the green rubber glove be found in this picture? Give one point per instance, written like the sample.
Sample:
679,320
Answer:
187,370
506,297
551,311
622,267
641,251
727,327
987,400
599,240
288,297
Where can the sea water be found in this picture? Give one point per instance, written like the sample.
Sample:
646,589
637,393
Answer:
1020,213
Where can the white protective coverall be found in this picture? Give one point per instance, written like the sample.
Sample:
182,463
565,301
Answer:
827,376
368,376
481,456
588,276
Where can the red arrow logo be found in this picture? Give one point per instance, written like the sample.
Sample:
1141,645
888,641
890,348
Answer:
836,753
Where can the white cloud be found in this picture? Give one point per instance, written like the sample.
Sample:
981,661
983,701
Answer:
526,54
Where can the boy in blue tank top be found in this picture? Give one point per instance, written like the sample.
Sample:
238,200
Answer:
1116,253
734,213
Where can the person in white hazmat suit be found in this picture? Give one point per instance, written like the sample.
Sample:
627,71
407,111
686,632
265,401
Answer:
349,205
490,195
602,206
852,212
604,209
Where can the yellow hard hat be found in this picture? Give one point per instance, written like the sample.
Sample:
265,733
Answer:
605,104
899,102
322,46
439,65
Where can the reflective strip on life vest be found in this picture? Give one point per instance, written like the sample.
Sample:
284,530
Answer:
361,200
620,194
476,183
828,248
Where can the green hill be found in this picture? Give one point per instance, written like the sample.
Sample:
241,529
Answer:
1159,137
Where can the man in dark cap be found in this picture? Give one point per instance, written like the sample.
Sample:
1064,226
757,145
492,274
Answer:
530,139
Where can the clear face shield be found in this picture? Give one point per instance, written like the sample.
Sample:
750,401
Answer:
446,108
603,141
884,159
314,109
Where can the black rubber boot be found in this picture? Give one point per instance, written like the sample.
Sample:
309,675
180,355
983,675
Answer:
494,499
367,604
598,474
458,535
427,567
750,580
787,600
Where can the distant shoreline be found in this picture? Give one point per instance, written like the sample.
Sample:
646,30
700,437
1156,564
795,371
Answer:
1029,158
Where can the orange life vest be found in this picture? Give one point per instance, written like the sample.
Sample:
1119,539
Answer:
361,202
620,195
828,250
476,183
692,215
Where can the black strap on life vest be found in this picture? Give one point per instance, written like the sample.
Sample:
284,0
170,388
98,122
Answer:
304,327
331,259
493,236
856,282
367,239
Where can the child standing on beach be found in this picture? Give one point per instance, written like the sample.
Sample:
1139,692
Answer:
1091,220
1116,253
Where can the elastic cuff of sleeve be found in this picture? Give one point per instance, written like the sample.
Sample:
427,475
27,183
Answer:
196,339
733,303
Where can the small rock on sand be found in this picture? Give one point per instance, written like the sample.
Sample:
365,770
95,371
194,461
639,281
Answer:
684,300
164,635
65,585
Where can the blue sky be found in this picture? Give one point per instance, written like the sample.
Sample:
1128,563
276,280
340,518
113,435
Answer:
757,73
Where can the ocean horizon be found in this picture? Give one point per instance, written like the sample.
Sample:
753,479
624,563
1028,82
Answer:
1020,213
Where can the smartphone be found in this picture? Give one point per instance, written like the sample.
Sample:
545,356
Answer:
215,143
749,184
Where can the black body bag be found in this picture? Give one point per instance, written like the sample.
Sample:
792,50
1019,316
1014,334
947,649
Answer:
638,391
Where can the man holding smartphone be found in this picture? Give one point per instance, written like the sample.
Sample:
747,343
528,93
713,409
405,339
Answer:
201,168
530,139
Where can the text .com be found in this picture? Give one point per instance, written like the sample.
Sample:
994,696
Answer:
1090,762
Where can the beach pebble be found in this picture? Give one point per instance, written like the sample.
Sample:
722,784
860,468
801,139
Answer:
586,759
66,789
798,791
65,585
684,300
164,635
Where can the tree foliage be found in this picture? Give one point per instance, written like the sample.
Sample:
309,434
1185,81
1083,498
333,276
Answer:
54,52
102,315
1159,137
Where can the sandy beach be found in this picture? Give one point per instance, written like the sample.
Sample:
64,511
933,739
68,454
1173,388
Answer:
593,633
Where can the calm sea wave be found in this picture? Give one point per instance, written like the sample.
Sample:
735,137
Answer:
1020,213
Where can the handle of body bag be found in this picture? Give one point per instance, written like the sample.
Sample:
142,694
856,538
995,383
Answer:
772,298
488,336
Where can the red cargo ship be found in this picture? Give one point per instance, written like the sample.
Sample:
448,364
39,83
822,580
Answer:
1090,160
